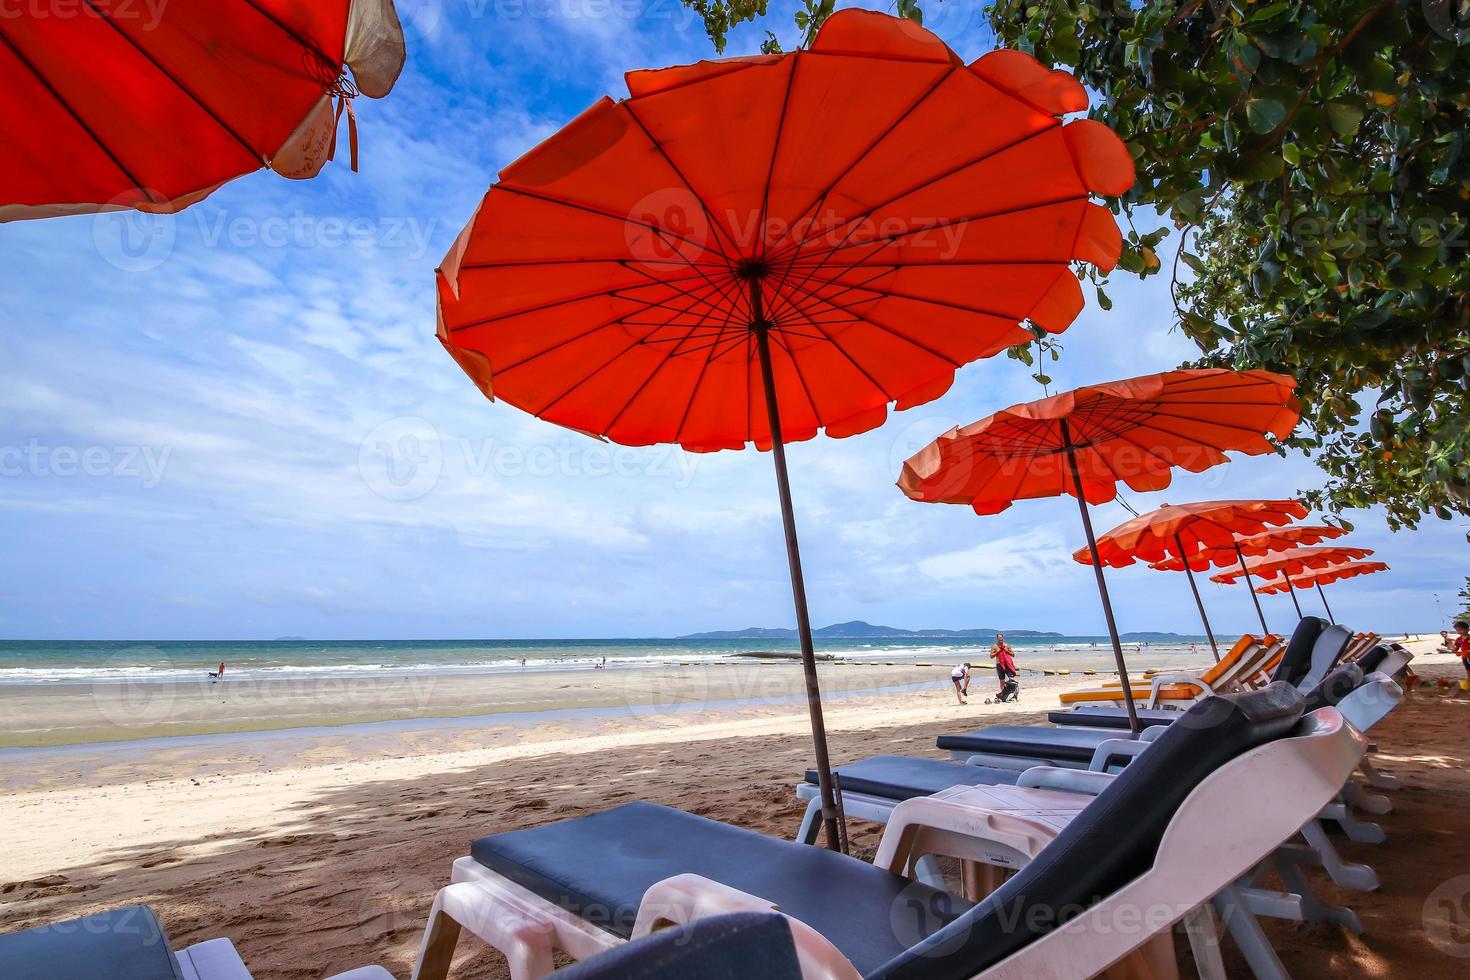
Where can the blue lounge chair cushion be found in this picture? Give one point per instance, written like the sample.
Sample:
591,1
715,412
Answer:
1108,844
901,777
120,944
1031,742
1328,649
723,947
1297,659
1102,716
1334,687
599,866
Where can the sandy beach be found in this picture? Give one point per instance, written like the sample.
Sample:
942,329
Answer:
319,851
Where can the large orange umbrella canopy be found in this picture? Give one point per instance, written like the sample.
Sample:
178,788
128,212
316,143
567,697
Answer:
1205,528
1255,545
885,211
154,105
1292,562
1133,431
1322,576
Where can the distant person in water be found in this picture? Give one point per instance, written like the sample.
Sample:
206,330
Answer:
1005,667
217,675
960,678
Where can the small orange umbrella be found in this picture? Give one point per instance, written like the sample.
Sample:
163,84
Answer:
1292,562
1199,531
1084,442
757,249
153,106
1322,576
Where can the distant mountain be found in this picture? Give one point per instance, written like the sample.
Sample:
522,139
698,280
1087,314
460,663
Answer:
1150,635
857,629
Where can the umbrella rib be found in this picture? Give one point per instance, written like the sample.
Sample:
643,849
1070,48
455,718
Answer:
887,329
147,55
843,351
783,283
543,307
800,377
775,151
718,284
624,219
46,83
703,205
862,154
296,36
593,373
610,260
856,218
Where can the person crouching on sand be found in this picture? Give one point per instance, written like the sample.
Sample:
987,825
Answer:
960,678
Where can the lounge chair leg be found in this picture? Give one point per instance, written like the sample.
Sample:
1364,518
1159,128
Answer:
1358,876
437,950
1375,803
1304,905
1246,931
1379,780
1356,830
979,879
811,822
1203,931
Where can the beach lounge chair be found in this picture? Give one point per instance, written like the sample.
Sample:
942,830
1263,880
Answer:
1178,689
1314,649
1153,839
125,944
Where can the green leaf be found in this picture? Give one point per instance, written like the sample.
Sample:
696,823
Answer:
1264,114
1344,116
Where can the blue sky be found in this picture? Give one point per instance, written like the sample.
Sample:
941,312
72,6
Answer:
236,422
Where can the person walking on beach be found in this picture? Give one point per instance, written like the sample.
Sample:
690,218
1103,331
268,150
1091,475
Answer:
217,675
960,678
1005,667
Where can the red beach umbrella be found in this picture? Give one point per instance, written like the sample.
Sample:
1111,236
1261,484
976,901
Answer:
1086,441
1319,577
153,106
1293,562
1201,531
755,249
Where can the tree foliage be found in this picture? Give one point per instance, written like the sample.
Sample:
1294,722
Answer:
1310,159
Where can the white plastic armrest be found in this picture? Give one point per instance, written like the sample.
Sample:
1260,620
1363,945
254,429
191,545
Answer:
213,959
1111,749
363,973
924,825
687,898
1066,780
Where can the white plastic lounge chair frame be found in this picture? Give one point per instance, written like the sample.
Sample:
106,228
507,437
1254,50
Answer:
216,959
1198,856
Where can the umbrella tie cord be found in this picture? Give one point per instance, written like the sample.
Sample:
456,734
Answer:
344,91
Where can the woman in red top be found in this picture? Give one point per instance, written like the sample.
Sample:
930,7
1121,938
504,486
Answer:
1005,664
1461,645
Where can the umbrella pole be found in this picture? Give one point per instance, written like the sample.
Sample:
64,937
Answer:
1102,585
798,585
1249,587
1291,589
1330,617
1214,648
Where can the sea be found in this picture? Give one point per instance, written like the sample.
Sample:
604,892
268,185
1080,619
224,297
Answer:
132,661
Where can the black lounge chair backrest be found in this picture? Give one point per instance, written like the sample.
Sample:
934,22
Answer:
1110,843
743,944
1373,659
1331,644
1334,687
1297,660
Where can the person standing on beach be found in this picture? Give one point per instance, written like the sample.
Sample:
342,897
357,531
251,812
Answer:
1461,648
960,678
1005,662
